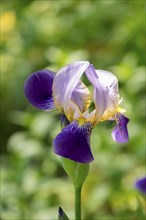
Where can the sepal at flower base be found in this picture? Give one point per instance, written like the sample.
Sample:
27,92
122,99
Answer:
76,171
62,215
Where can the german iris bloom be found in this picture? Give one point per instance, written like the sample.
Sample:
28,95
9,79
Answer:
65,92
141,185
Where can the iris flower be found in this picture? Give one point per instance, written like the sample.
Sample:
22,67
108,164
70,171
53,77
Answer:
65,92
141,185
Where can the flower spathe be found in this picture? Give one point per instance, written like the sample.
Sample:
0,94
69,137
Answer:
65,92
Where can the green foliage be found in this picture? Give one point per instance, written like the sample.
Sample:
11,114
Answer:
49,34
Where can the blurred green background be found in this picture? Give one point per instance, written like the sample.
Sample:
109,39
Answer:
50,34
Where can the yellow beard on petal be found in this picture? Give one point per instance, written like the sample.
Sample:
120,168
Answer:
121,110
111,114
107,116
82,120
85,117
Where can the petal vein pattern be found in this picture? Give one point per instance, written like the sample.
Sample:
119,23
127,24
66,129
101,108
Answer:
73,142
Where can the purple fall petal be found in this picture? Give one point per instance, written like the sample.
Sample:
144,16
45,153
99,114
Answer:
141,185
38,89
73,142
120,132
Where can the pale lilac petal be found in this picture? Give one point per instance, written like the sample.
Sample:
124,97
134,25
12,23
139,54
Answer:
106,97
141,185
100,93
120,132
38,89
65,82
81,96
109,83
73,142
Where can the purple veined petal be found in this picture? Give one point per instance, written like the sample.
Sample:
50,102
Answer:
73,142
38,89
120,132
65,82
141,185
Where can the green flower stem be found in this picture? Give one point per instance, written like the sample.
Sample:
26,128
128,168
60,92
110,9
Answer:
77,202
78,173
